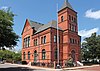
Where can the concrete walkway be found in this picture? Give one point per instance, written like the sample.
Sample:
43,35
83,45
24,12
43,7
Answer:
52,69
81,67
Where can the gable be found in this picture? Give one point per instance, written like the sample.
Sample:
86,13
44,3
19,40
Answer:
26,26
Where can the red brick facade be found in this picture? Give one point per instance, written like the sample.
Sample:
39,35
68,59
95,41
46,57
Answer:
42,46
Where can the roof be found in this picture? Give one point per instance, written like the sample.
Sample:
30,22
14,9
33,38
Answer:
66,4
52,24
41,27
34,24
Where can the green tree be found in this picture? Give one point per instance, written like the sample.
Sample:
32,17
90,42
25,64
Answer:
8,38
10,55
17,56
91,47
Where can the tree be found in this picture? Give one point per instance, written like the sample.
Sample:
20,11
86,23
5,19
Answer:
8,38
91,47
17,56
10,56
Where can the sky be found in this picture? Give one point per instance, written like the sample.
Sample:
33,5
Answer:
44,11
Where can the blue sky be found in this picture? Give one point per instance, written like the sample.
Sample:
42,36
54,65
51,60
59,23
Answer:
44,11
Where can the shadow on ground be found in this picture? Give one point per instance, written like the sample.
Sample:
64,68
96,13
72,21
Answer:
18,69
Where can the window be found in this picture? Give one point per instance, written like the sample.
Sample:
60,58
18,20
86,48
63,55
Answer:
72,28
36,42
24,42
44,39
78,42
75,41
24,56
55,38
29,55
70,40
27,42
55,54
41,40
62,18
75,20
69,26
35,56
43,54
69,17
72,18
59,39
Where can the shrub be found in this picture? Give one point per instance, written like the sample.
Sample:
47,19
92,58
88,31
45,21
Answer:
24,62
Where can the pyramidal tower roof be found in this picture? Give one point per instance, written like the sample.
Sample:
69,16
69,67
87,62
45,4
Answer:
66,4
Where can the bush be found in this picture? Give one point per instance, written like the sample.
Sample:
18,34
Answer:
70,62
24,62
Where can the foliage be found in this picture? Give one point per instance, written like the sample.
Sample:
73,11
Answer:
8,37
91,47
24,62
70,62
10,56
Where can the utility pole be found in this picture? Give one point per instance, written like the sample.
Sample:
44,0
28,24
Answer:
58,65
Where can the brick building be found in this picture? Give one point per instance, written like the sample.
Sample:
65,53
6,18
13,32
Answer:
39,41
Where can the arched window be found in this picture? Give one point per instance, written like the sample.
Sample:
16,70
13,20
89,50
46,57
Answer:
24,56
62,18
55,53
29,55
43,54
35,56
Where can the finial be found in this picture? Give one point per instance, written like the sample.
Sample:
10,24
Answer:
66,1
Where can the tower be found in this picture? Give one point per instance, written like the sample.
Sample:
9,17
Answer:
67,21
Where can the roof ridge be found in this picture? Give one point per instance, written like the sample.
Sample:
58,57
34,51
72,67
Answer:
35,22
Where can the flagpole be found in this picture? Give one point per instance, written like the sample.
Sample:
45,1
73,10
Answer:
57,40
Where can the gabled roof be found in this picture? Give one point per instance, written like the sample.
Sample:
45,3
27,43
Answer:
66,4
33,24
41,27
52,24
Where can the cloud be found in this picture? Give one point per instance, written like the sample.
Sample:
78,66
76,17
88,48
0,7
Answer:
87,33
4,7
92,14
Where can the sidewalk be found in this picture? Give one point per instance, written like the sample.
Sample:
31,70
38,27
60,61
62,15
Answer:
81,67
52,69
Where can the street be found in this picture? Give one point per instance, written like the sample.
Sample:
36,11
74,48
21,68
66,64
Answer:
16,67
13,67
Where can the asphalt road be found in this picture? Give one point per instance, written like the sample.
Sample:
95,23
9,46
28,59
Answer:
12,67
15,67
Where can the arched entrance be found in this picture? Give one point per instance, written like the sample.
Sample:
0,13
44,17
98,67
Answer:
73,55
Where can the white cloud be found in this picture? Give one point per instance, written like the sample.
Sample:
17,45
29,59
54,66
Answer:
92,14
4,7
87,33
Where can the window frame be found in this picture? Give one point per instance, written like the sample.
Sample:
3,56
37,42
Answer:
62,18
43,54
28,55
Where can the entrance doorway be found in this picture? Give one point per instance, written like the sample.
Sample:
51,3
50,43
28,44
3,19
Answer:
73,55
